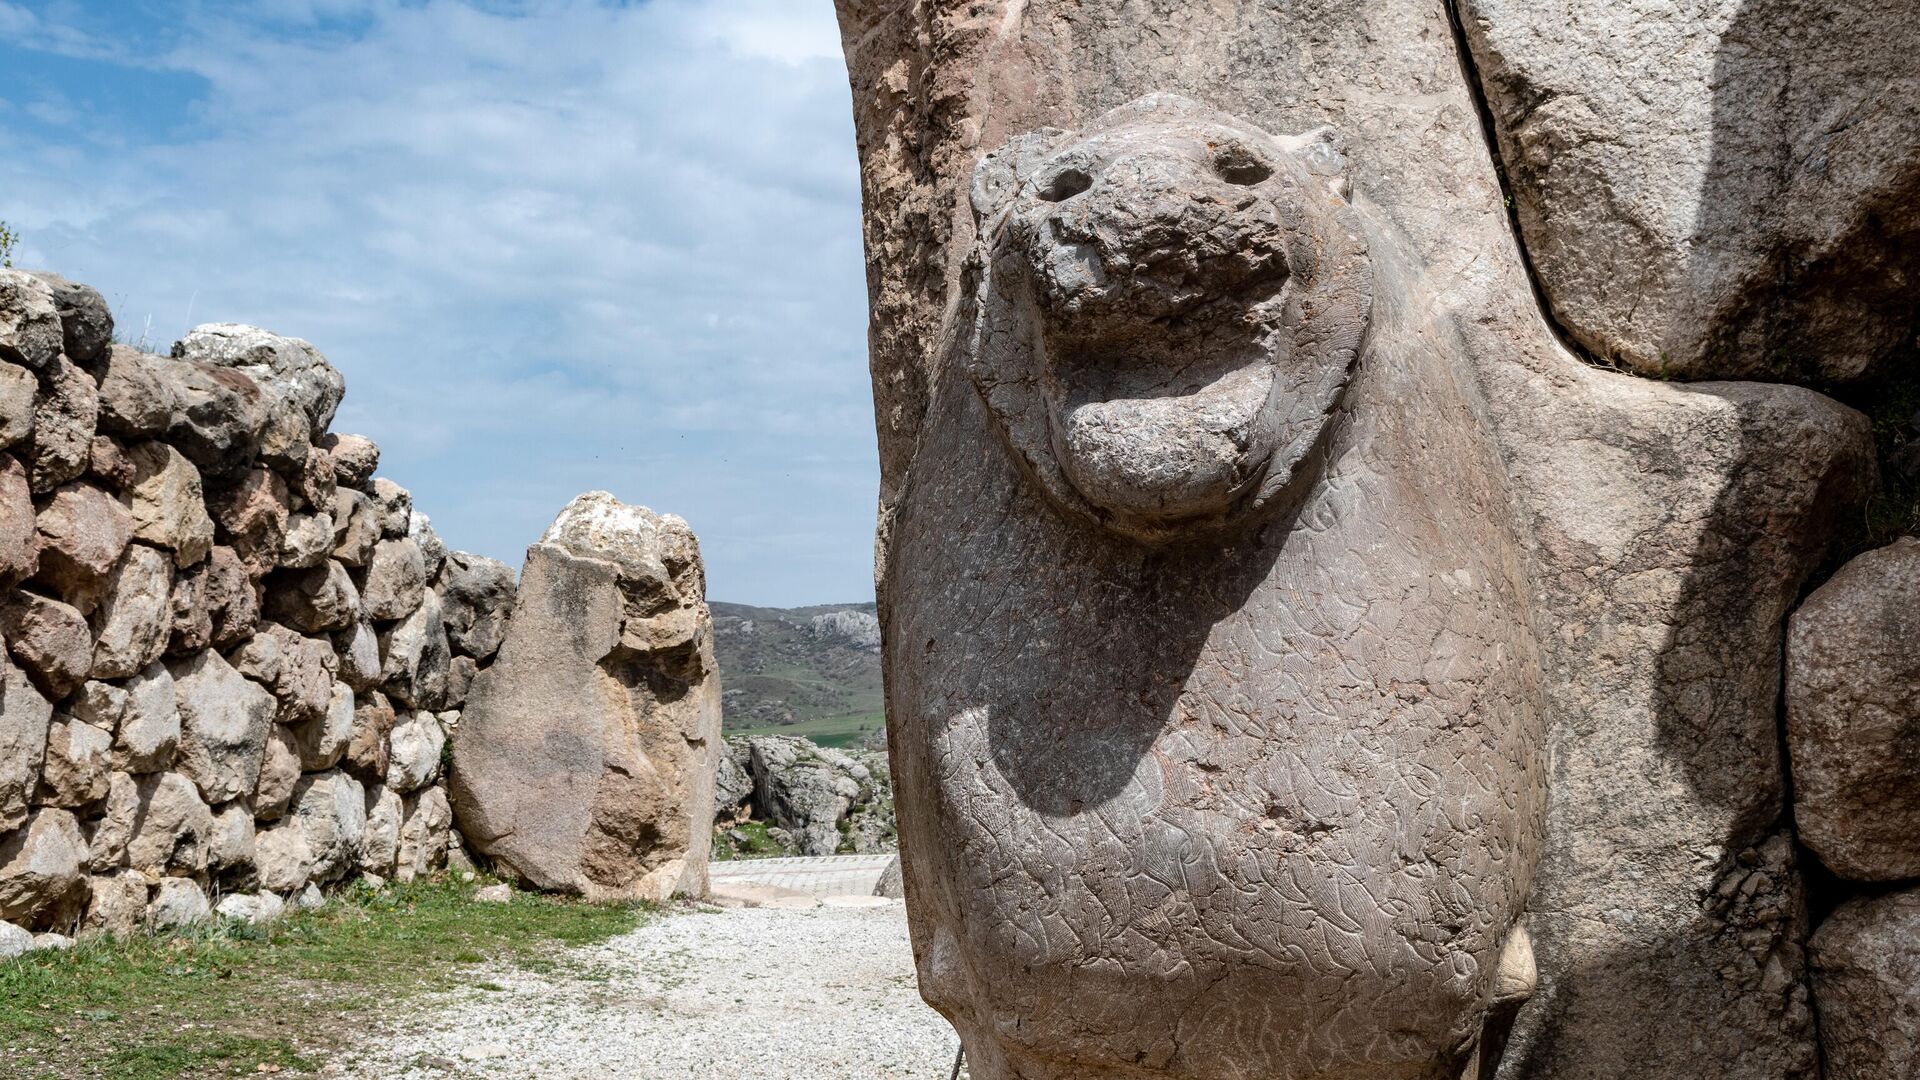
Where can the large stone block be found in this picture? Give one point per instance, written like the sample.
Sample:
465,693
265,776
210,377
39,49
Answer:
1853,716
168,504
288,368
49,639
416,743
42,869
86,326
252,517
25,714
223,726
138,400
135,621
425,833
17,387
414,657
355,458
82,533
396,579
76,767
64,414
332,810
19,539
30,331
317,600
586,754
476,603
218,419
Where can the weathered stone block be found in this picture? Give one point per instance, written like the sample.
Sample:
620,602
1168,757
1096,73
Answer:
223,726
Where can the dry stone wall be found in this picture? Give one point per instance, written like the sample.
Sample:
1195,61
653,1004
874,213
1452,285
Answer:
233,654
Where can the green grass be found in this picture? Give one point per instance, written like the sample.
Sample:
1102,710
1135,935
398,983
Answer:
839,731
758,844
225,998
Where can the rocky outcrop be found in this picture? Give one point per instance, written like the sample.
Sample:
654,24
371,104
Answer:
1853,716
585,758
185,632
1866,979
823,801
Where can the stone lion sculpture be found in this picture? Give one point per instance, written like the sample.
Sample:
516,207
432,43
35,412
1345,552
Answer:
1213,682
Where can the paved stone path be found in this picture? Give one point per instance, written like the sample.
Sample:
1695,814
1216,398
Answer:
818,876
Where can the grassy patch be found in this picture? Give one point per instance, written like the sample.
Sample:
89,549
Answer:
747,840
839,731
225,999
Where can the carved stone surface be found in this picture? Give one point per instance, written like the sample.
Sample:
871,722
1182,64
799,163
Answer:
586,754
1668,527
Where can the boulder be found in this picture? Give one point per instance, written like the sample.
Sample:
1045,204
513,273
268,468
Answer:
355,458
177,903
416,743
283,861
190,616
1853,716
14,941
368,750
380,849
25,715
396,579
85,323
17,387
476,603
304,686
356,527
315,486
232,602
393,505
76,766
30,331
252,516
167,503
732,787
223,726
219,417
433,550
805,789
414,657
285,367
19,543
82,533
461,671
892,883
166,826
309,540
230,843
42,874
250,907
609,793
64,413
142,714
49,639
332,810
135,622
108,463
323,742
359,650
138,399
279,772
425,833
116,904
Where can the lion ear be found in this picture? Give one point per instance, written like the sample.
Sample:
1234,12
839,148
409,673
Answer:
997,179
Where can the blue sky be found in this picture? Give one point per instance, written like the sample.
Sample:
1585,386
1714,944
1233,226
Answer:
555,245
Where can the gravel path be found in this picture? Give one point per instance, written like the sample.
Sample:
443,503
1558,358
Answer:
754,994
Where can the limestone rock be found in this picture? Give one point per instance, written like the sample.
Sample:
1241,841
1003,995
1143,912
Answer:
177,903
416,742
304,684
17,387
355,458
607,793
323,741
108,463
232,602
461,671
252,516
414,657
356,527
138,399
309,540
283,861
49,639
116,904
287,367
368,750
24,718
1715,192
143,715
251,907
805,789
380,850
315,600
223,726
218,419
82,533
476,602
76,766
732,786
41,869
279,772
14,941
433,550
1853,716
315,485
190,615
132,627
396,580
892,884
85,323
30,331
19,544
167,826
332,810
359,650
168,502
394,505
64,414
425,833
1866,984
230,842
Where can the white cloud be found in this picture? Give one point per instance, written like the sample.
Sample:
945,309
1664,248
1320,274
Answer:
574,245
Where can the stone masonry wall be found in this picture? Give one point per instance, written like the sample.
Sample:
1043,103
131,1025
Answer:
232,654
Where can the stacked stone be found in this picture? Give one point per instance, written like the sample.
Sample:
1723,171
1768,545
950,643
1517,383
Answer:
231,653
1853,730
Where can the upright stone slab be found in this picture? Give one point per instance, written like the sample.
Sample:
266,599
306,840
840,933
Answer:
585,757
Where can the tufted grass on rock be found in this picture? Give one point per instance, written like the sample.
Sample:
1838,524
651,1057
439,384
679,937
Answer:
230,999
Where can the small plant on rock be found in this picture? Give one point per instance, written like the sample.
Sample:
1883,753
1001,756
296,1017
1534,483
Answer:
8,238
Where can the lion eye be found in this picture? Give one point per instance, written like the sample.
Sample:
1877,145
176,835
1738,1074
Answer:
1065,185
1238,164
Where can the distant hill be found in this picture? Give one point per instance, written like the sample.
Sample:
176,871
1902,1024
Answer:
812,671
